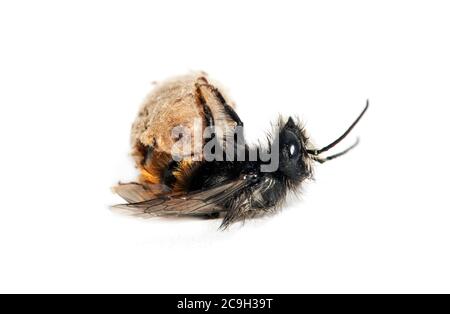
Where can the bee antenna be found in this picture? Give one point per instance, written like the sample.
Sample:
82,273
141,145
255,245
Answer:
316,152
324,159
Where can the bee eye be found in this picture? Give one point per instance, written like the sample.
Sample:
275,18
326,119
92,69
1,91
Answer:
290,144
293,151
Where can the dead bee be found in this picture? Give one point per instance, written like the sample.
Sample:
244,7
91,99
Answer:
229,179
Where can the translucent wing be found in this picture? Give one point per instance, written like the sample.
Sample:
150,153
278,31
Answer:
135,192
195,203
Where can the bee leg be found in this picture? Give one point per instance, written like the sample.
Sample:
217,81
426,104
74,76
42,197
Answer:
209,119
208,116
232,114
226,107
229,111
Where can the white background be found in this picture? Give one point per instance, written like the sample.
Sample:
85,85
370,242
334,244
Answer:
72,77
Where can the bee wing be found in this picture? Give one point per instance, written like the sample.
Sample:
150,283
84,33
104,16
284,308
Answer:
194,203
135,192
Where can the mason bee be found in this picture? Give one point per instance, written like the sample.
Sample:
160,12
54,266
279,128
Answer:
188,145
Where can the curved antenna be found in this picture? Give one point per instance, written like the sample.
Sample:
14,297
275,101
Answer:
316,152
324,159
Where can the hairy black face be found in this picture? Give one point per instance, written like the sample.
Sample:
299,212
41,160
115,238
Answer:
293,154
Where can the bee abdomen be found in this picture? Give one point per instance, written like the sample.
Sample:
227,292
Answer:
175,103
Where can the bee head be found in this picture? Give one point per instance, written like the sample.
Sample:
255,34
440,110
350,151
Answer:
293,154
296,153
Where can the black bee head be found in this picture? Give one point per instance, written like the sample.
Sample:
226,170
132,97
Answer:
296,154
293,155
